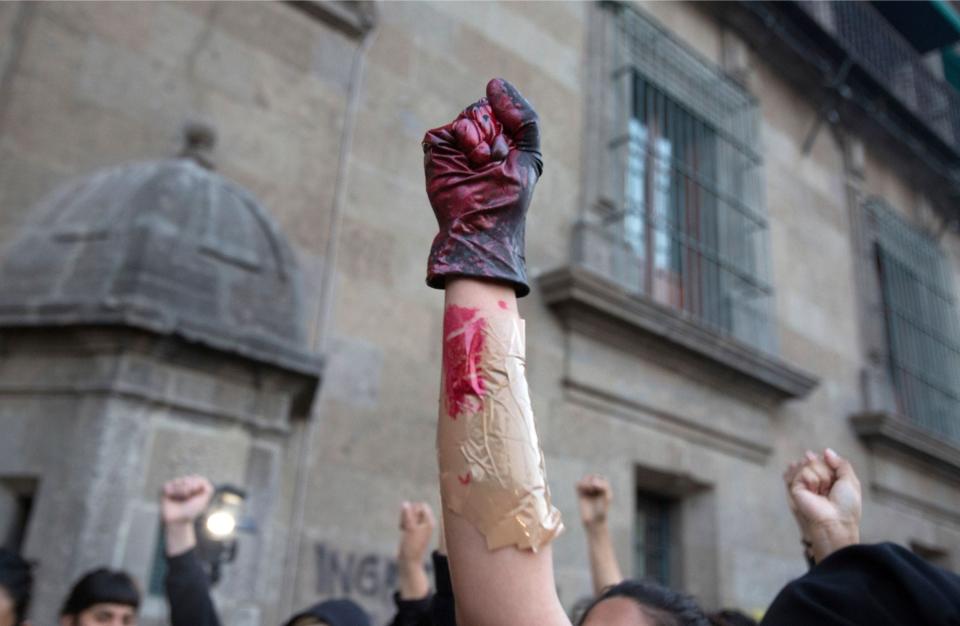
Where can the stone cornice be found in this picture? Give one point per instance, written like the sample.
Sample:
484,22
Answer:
888,429
574,292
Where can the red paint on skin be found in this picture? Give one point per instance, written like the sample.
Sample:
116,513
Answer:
465,479
503,305
462,347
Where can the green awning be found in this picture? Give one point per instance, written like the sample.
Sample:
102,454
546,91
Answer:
926,24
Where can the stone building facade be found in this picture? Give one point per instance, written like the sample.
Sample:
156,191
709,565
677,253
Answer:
744,245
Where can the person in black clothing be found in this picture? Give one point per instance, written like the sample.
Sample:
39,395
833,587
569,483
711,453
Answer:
413,596
102,597
187,587
416,606
16,585
853,583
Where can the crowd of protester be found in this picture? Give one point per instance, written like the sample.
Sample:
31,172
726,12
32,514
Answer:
847,583
493,565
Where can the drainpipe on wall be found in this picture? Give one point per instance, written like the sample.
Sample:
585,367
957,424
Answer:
320,331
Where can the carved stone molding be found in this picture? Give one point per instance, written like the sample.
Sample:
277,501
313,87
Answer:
574,293
886,429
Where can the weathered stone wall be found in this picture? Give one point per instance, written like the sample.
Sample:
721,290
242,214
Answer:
87,85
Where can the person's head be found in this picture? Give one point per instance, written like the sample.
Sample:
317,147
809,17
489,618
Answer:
340,612
731,617
102,597
16,582
643,603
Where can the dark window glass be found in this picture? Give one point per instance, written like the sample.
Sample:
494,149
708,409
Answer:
652,539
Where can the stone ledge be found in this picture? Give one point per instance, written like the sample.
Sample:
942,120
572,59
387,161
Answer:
574,292
349,16
888,429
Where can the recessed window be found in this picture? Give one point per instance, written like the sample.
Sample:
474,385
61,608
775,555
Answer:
923,336
653,538
682,218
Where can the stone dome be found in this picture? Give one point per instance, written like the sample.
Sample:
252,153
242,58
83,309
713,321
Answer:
167,246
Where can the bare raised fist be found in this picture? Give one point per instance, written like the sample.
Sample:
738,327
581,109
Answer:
480,172
184,499
824,496
594,495
416,529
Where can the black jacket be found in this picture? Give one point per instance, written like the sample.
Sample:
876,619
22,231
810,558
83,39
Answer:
188,592
869,585
433,610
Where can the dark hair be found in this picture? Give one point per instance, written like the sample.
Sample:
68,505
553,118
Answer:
336,612
664,606
101,586
731,617
16,577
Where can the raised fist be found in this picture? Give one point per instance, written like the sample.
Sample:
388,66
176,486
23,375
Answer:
416,528
594,495
825,498
480,173
184,499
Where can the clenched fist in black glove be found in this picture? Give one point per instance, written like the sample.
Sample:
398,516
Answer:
480,173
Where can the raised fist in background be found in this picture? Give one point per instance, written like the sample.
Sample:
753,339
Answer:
825,498
594,495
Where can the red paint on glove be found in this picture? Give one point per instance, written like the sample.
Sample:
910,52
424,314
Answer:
480,173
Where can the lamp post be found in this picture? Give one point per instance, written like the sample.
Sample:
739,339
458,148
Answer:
217,529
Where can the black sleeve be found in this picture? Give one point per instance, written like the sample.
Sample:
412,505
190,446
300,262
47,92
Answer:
879,585
188,592
442,607
411,612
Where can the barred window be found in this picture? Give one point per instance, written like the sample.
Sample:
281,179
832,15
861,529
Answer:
686,225
653,538
923,337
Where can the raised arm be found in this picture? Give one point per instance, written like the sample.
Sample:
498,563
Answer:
413,597
188,590
498,517
595,495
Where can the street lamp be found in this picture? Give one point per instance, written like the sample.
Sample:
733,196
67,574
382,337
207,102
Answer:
217,529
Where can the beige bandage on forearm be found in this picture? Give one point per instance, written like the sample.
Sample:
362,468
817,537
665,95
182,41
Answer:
491,466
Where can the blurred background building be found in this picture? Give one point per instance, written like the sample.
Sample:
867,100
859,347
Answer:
745,244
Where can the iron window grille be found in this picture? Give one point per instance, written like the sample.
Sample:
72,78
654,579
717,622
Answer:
923,337
652,538
685,223
876,46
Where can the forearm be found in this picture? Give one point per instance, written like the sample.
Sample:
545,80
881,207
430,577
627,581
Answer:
413,581
180,537
497,514
604,569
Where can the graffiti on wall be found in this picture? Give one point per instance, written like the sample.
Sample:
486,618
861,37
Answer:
367,577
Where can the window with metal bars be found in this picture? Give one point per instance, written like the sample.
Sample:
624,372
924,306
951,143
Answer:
687,228
669,221
923,336
652,538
